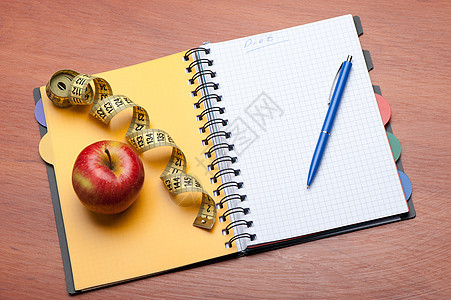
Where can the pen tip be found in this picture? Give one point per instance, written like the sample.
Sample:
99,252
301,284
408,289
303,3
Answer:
307,186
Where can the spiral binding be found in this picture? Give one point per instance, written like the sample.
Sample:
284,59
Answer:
234,210
218,174
217,147
198,62
209,110
240,236
220,146
205,98
216,161
230,197
215,134
227,184
195,50
236,223
202,73
204,86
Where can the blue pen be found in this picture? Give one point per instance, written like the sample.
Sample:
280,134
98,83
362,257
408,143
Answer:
334,102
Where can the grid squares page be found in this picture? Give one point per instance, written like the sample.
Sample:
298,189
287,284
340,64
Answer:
275,88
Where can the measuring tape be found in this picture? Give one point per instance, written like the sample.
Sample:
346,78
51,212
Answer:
67,88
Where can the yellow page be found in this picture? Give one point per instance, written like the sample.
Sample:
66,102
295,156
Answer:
154,234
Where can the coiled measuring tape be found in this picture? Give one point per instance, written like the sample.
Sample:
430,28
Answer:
67,88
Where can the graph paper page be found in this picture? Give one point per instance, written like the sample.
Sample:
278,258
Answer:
275,89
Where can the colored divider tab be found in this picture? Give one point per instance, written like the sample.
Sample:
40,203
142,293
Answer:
384,108
39,113
395,145
406,184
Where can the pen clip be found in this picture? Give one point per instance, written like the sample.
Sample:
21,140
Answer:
334,83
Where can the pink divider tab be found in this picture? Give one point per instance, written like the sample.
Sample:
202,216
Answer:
384,108
39,113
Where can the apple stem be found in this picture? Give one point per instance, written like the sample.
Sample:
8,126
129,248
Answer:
109,158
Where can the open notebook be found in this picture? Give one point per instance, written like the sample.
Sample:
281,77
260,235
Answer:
272,91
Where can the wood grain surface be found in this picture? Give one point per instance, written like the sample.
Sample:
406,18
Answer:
410,46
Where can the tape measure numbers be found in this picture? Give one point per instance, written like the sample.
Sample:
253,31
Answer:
67,88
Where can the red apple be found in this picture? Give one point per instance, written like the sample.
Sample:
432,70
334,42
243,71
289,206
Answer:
108,176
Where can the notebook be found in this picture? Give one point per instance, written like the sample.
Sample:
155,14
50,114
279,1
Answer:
261,100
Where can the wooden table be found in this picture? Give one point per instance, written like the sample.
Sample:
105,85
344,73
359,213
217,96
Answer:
410,46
